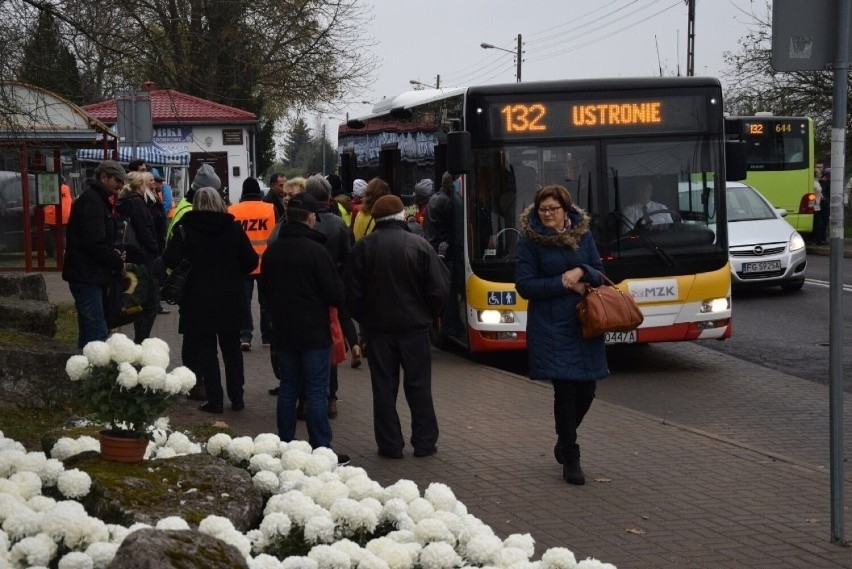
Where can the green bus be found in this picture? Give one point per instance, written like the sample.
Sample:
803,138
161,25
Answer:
780,162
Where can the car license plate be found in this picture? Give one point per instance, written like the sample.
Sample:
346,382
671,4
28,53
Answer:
762,266
620,337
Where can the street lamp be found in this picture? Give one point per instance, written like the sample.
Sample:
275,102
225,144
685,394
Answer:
517,54
437,84
324,143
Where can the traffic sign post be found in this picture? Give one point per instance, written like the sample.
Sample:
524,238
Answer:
814,36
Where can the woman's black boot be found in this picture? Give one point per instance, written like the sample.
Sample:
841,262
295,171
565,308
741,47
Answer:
571,471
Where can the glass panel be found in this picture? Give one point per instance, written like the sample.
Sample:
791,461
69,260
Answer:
506,180
662,196
744,204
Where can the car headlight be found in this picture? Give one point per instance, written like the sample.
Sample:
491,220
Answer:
796,241
495,316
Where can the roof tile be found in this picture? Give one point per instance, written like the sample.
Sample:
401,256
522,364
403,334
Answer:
173,107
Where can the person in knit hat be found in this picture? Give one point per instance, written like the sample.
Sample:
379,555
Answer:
396,288
359,187
205,177
257,219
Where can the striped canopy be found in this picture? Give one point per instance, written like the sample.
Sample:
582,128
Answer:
154,154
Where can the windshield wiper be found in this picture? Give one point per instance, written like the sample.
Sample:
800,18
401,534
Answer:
650,244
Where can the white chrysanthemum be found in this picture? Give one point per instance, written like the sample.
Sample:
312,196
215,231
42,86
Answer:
172,386
10,488
319,463
369,560
155,352
41,503
299,445
559,558
523,541
482,549
405,490
68,523
77,367
439,555
30,462
29,484
117,533
275,525
22,522
186,376
330,492
123,350
361,487
312,486
293,458
452,521
266,481
319,529
9,504
240,449
351,517
329,558
264,461
393,509
267,443
297,562
218,443
152,378
347,472
350,548
88,443
182,444
509,557
472,527
420,508
128,377
74,483
97,353
76,560
64,448
238,540
172,522
290,479
102,553
50,471
592,563
33,551
396,555
165,452
9,459
433,529
264,561
158,436
372,505
440,496
403,536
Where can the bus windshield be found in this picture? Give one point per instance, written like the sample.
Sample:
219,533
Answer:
649,201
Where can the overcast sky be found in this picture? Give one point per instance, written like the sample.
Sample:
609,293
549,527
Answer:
562,39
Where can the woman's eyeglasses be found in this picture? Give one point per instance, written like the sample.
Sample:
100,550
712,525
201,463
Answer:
549,210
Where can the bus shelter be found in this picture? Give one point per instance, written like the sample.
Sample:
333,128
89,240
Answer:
40,133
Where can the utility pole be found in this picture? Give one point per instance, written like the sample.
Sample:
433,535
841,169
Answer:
438,81
519,58
690,39
518,54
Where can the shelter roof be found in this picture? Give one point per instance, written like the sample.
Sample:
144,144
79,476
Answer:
173,107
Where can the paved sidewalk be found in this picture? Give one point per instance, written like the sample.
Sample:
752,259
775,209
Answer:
658,494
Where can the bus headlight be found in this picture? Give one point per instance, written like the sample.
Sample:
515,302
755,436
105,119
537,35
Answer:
495,316
716,305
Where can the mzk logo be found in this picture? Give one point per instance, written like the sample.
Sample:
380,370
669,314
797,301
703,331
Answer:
255,224
653,290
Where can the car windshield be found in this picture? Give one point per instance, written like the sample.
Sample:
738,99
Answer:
745,204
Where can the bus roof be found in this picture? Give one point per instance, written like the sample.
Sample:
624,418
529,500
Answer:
601,84
409,99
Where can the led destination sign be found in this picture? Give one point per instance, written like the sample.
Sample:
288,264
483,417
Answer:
561,118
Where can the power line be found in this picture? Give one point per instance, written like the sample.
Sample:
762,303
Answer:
534,39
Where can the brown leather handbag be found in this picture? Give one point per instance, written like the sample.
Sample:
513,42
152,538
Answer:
606,309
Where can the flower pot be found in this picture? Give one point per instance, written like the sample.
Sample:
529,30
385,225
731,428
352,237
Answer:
122,447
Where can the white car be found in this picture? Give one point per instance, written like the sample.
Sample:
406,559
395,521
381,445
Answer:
764,249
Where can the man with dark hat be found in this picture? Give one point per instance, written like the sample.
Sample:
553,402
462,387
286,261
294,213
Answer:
91,260
258,219
396,288
300,282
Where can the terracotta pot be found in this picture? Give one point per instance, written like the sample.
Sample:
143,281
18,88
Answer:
120,447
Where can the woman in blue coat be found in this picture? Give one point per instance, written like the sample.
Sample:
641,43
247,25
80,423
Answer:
557,259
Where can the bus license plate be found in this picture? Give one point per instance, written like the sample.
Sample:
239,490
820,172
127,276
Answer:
620,337
762,266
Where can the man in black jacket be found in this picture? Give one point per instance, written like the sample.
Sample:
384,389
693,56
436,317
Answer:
275,195
91,260
396,287
301,282
439,229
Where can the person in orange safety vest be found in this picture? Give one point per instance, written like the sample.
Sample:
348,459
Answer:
50,220
258,220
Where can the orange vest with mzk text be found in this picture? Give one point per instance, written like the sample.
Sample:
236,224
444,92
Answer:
258,220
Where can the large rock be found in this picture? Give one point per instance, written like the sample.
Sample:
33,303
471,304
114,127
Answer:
34,316
193,487
32,370
175,549
26,286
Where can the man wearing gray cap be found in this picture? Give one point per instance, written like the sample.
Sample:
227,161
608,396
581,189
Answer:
91,260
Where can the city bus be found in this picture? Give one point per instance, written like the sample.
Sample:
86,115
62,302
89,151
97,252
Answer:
780,162
603,139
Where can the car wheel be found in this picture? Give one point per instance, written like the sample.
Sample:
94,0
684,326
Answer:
793,287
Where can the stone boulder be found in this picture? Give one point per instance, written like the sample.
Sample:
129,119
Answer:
193,487
33,316
26,286
175,549
32,370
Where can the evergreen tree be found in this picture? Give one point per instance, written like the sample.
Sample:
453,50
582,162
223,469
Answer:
298,148
47,61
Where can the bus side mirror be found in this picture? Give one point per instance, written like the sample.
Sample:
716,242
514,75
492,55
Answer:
735,161
458,152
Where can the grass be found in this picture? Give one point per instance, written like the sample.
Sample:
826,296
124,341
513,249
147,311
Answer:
66,324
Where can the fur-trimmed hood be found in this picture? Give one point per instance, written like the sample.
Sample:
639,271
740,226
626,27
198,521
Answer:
533,229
